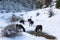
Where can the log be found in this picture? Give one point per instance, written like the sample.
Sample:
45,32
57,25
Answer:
41,34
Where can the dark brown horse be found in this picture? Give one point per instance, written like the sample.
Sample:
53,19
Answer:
30,22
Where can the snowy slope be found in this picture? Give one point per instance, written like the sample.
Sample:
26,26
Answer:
50,25
23,36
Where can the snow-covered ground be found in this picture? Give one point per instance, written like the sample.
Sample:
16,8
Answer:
23,36
50,25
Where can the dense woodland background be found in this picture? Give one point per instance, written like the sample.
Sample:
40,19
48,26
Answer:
25,5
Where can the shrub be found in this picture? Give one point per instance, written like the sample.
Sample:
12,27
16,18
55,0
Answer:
11,30
14,18
37,14
51,13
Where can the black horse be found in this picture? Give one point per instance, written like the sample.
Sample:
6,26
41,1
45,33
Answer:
19,26
22,21
29,20
38,28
